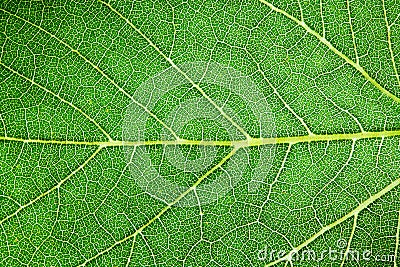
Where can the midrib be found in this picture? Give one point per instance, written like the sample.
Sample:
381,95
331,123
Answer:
235,143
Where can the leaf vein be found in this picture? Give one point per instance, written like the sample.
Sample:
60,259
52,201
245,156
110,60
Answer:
334,50
390,43
235,143
355,211
60,98
169,60
53,188
165,209
97,69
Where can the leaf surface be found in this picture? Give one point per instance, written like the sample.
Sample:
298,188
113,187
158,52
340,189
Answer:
217,133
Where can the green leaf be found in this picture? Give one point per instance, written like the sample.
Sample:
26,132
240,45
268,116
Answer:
192,133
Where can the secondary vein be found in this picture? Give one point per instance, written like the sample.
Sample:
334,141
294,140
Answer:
169,60
354,212
165,209
53,188
334,49
59,97
96,68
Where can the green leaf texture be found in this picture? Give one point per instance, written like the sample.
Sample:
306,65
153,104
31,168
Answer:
199,133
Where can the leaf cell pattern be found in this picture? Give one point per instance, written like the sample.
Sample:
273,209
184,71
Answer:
199,133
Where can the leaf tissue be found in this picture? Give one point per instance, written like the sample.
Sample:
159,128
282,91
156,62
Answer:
200,133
